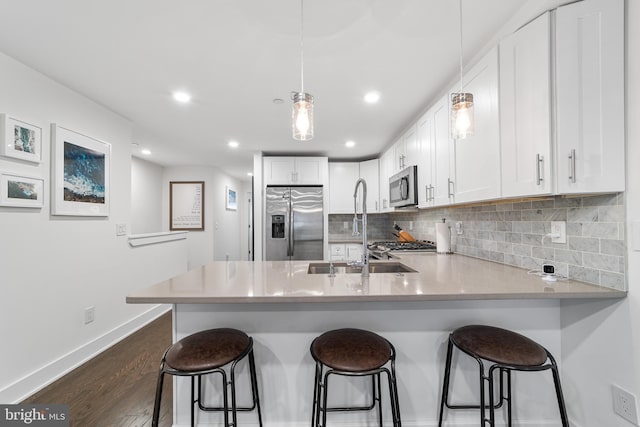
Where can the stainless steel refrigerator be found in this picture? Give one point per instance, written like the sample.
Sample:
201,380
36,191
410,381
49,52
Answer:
294,223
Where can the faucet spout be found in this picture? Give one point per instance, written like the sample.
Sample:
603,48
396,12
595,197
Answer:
365,257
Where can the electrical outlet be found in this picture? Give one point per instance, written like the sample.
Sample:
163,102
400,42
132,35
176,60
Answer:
89,314
410,225
459,228
345,224
624,404
558,232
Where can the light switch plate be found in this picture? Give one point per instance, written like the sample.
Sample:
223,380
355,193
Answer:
121,229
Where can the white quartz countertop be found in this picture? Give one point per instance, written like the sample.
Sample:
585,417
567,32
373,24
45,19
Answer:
438,277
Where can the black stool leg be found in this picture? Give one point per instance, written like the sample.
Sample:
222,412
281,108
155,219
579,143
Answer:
315,410
156,405
445,382
393,396
483,420
193,398
559,396
254,386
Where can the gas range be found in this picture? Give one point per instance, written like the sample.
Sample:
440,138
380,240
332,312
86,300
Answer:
395,246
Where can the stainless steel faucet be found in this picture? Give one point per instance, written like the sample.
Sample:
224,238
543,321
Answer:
365,257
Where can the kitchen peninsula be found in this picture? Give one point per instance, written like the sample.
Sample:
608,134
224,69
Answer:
283,308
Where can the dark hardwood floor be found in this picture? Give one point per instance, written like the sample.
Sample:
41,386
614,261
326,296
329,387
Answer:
117,387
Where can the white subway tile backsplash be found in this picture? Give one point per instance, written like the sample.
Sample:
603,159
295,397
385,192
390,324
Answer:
516,234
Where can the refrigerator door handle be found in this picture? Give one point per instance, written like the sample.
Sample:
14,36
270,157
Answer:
290,234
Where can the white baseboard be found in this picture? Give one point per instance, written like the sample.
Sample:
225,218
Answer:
37,380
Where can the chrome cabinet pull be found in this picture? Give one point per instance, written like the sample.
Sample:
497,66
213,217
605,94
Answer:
450,184
433,193
572,166
539,170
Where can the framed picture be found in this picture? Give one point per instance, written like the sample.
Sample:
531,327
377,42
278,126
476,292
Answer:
231,199
186,205
21,191
20,140
81,171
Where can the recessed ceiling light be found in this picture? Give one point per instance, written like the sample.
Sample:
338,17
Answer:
233,144
372,97
350,144
183,97
145,152
278,101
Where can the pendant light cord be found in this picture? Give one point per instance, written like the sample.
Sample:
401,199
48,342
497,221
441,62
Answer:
302,46
460,18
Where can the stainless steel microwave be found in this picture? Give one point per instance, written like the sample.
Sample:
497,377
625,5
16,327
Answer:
403,188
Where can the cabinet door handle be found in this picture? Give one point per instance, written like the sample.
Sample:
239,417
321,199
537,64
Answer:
572,166
433,192
376,206
450,184
427,193
539,170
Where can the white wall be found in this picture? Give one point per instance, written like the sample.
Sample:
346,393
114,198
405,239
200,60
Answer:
52,267
146,196
221,238
601,340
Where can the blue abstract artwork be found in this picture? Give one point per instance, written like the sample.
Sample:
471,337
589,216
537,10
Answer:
84,174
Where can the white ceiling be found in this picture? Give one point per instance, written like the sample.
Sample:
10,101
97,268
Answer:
236,56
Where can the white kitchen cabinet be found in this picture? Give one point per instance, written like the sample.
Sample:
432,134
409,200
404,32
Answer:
342,183
353,252
477,158
406,150
370,171
295,170
337,252
435,165
342,180
590,97
349,252
525,110
386,170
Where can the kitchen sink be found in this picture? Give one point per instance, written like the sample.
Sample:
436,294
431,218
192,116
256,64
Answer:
344,268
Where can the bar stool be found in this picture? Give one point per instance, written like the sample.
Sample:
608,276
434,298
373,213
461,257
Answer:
209,352
353,353
509,351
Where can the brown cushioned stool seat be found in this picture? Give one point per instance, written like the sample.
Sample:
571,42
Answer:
353,352
209,352
508,351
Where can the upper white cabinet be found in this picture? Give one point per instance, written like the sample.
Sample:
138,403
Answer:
386,167
525,110
435,167
407,150
342,180
369,171
295,170
590,97
477,158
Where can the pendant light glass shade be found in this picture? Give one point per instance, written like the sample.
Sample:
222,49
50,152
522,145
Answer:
462,120
302,112
302,116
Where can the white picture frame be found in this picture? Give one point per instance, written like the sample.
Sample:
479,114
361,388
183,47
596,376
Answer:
21,191
231,199
19,139
80,165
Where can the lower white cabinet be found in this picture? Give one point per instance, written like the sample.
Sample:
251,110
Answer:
345,252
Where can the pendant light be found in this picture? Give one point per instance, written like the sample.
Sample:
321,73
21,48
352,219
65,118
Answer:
302,113
462,122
